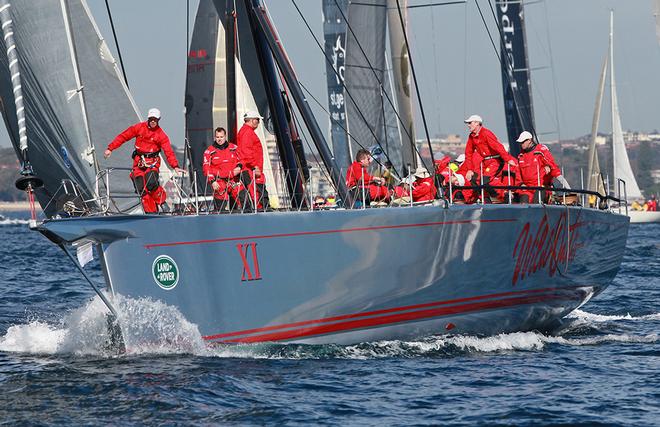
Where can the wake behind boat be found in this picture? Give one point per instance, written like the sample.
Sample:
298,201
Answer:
300,274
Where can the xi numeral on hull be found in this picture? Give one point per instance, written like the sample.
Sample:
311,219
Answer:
249,273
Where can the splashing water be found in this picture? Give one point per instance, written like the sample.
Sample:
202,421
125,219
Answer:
148,327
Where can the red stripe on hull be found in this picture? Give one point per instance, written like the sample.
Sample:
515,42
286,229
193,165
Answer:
395,318
379,312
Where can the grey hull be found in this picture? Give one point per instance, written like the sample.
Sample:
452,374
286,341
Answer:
344,276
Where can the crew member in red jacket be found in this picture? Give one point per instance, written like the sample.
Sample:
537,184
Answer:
424,189
250,151
150,140
494,157
537,168
222,169
361,185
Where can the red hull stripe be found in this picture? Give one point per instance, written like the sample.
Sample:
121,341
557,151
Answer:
395,318
381,312
312,233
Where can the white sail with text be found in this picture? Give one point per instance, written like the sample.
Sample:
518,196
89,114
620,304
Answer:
516,84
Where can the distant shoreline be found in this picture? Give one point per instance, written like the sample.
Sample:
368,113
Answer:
15,206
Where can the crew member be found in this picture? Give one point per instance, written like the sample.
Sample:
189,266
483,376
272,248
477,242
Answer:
250,151
424,189
493,155
222,169
360,184
537,167
150,140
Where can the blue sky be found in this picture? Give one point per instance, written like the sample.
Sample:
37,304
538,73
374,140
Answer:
456,64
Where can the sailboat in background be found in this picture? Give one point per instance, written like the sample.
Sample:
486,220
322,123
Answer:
620,161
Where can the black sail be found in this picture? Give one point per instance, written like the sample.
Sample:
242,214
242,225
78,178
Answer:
516,83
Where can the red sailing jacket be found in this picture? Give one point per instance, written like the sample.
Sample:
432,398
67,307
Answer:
146,141
424,189
219,163
250,150
531,164
355,174
485,144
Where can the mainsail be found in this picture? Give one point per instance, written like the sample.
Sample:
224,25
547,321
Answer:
516,82
74,98
620,161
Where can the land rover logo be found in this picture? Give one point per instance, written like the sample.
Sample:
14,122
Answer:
165,272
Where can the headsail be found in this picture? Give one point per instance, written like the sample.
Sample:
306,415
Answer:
335,29
64,61
620,161
516,82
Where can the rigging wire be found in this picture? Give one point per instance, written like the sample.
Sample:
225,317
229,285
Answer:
114,35
419,97
343,85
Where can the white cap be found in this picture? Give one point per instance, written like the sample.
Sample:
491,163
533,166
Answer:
154,112
524,137
474,118
252,115
460,158
421,172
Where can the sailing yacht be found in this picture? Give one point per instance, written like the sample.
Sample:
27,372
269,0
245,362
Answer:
622,171
296,273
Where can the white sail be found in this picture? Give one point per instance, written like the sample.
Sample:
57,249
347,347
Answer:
620,161
594,178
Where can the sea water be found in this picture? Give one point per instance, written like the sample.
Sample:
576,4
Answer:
603,367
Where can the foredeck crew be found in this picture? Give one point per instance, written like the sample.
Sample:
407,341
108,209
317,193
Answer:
493,155
150,140
222,168
362,186
537,168
250,151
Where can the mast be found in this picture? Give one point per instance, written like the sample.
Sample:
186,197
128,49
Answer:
516,84
266,30
276,101
230,51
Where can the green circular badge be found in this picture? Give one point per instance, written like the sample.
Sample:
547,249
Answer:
165,272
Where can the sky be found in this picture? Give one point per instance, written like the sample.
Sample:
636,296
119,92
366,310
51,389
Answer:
458,70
